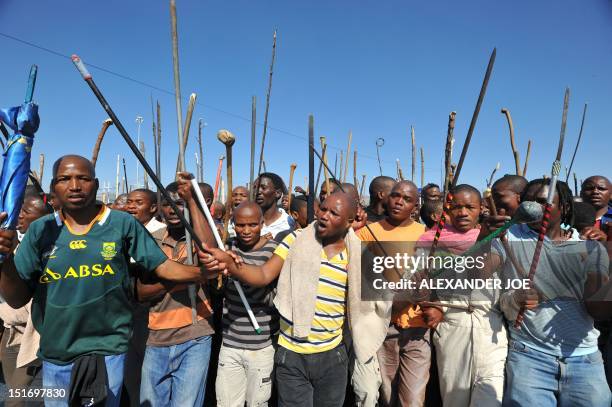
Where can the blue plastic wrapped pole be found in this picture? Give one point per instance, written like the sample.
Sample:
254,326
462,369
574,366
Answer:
23,121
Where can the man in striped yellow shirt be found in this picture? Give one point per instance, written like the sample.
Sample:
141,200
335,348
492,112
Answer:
311,362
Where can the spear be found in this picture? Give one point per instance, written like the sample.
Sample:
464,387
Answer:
117,178
187,127
348,151
323,152
413,153
265,126
577,142
336,164
341,160
457,171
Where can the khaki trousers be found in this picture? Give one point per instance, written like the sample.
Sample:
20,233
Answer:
244,376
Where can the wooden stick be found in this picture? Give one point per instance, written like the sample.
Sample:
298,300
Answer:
310,202
117,177
400,176
575,185
265,126
201,166
324,167
125,178
341,161
517,160
448,150
336,164
105,125
527,159
363,178
323,152
348,152
217,180
159,133
577,142
422,167
41,168
413,153
228,139
186,128
292,168
253,128
355,170
146,177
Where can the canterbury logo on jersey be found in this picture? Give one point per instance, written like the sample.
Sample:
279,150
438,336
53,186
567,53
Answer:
78,244
82,271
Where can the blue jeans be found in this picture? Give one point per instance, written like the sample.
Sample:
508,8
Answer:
534,378
58,377
175,375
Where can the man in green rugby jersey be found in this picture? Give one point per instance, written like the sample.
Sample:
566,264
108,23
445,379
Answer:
74,265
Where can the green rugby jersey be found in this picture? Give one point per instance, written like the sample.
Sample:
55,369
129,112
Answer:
81,282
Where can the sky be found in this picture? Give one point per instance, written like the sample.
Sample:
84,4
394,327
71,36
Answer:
375,68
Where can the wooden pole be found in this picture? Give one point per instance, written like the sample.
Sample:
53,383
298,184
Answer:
341,167
363,178
291,172
400,175
413,153
159,133
117,177
336,164
422,167
575,185
323,152
182,142
527,158
253,125
265,128
310,202
355,169
577,142
201,166
448,151
325,166
192,100
105,125
517,160
348,152
146,176
41,168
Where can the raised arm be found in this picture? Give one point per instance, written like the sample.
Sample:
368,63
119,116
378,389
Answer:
198,220
12,288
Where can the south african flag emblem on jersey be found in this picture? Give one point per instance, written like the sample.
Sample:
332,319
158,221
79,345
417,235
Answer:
108,250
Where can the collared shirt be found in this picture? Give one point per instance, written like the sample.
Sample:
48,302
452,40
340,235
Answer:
330,306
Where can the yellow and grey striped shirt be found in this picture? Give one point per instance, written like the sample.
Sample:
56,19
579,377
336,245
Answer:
330,306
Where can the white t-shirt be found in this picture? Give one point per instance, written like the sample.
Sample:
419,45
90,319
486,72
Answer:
282,224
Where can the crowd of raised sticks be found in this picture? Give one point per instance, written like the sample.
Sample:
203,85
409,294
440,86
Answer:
101,300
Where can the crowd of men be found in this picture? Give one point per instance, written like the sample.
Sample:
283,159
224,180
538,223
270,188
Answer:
112,306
